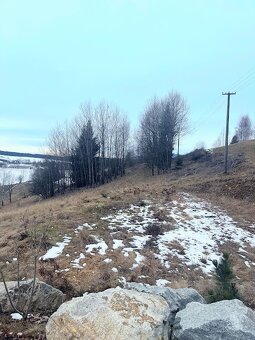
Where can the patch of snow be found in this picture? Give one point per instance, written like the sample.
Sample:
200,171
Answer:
138,260
16,316
117,244
82,227
193,236
126,251
122,280
200,228
56,250
108,260
115,270
162,282
136,219
247,264
101,246
139,241
76,263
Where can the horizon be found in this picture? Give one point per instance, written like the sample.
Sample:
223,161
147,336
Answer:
56,56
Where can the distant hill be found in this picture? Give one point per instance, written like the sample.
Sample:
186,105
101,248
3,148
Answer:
30,155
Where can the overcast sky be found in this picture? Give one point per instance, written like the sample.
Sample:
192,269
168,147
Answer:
56,54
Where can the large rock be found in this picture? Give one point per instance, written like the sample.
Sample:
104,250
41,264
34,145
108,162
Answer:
116,313
224,320
46,299
177,299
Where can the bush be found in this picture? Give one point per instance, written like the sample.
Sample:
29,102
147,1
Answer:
225,286
179,162
234,140
153,229
198,154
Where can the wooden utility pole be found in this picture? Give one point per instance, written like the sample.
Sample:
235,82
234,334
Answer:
227,128
178,143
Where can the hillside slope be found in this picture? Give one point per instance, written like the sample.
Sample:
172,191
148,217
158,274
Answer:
163,230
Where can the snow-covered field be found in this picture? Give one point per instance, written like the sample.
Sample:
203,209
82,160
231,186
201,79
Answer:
192,233
15,169
16,174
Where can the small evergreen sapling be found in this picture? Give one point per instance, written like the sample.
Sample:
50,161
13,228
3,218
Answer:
225,288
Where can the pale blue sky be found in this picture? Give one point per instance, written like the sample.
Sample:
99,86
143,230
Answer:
56,54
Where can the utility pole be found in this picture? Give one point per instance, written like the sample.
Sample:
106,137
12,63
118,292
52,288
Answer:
178,143
227,128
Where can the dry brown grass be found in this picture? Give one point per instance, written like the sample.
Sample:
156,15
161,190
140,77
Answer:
61,215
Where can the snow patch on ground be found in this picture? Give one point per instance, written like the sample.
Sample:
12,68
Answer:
56,250
138,260
192,233
117,244
76,263
107,260
197,229
16,316
162,282
82,227
100,246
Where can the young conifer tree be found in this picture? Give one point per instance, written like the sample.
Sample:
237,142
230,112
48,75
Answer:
225,287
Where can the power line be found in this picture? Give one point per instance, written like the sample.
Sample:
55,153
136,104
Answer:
248,75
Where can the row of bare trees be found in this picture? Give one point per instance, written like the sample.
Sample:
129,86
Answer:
163,123
243,132
91,149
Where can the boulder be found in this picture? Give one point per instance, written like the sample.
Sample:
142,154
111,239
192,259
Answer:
225,320
116,313
177,299
46,299
187,295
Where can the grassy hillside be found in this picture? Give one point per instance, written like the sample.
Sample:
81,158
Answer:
206,175
30,222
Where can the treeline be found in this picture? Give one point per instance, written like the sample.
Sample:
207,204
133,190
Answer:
26,155
162,125
91,149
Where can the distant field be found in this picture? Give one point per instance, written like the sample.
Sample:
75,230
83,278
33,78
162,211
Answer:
17,168
17,174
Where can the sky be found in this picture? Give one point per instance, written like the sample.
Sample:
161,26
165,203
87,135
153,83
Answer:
56,55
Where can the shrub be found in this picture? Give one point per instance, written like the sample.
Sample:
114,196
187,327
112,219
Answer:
234,140
153,229
225,287
198,154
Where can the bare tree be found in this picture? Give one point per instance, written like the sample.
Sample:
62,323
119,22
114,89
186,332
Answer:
160,126
244,129
91,149
220,141
10,184
2,187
